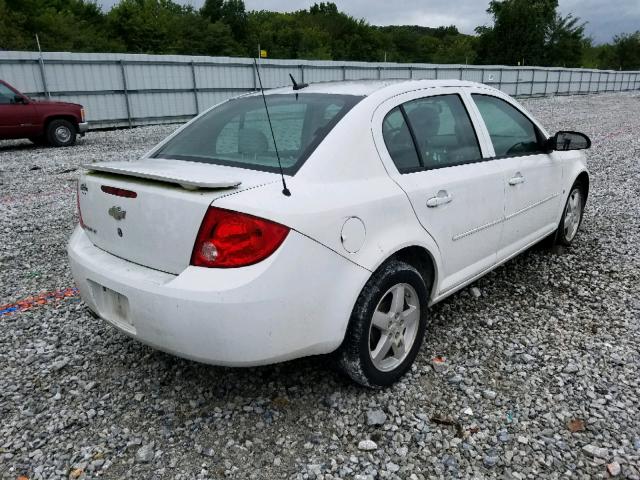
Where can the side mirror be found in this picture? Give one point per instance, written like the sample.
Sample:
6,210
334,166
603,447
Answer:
19,99
563,141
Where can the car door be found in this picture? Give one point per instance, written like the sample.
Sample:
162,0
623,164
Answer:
17,119
532,176
428,142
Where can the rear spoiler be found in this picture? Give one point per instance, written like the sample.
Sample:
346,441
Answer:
189,175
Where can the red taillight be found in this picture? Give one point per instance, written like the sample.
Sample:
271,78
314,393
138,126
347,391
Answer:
78,205
230,239
118,192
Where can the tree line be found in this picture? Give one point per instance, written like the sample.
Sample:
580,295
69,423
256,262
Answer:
523,32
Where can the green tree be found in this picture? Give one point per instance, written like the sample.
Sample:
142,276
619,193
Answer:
234,15
73,25
456,49
564,42
530,32
626,51
146,26
212,10
12,34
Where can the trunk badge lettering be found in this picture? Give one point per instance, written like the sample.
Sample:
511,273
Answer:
117,213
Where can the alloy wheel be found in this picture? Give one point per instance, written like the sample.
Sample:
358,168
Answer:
394,327
572,215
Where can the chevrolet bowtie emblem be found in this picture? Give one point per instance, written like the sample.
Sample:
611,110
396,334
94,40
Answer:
117,213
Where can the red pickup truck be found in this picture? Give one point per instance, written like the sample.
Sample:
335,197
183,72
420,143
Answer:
43,122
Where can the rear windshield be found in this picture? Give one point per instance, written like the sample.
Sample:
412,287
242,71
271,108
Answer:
237,132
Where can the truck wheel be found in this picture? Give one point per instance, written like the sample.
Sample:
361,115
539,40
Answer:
61,133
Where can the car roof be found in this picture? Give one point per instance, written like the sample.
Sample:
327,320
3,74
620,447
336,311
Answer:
367,87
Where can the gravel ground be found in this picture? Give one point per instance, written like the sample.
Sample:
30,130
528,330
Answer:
533,372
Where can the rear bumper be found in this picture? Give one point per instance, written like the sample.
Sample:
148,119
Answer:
83,127
295,303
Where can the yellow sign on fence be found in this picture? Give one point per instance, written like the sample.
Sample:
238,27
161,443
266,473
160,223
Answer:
263,54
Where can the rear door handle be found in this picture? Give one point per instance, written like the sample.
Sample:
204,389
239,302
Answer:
517,179
441,198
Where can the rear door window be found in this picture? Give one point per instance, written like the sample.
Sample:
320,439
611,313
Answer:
511,132
443,131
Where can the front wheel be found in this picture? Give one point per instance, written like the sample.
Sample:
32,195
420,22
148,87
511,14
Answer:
572,216
386,327
61,133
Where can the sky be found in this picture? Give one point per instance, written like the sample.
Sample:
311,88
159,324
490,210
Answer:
605,18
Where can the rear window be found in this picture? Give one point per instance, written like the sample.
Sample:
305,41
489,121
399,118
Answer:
237,132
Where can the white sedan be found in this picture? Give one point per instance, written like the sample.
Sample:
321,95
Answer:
397,195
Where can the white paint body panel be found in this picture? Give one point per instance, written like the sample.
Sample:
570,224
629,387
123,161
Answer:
268,312
298,301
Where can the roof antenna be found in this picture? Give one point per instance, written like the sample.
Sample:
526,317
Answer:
296,85
285,191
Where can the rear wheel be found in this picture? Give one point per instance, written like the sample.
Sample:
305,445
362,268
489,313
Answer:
572,216
61,133
386,327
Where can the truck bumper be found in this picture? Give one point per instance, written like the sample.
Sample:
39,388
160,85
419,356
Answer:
83,127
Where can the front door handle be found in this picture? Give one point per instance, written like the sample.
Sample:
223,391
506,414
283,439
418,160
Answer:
441,198
517,179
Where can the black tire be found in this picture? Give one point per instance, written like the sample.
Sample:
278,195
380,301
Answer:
354,357
567,229
61,133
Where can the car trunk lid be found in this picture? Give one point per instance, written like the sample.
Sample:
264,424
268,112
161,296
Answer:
149,211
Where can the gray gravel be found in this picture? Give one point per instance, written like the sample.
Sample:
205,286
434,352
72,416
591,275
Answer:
532,373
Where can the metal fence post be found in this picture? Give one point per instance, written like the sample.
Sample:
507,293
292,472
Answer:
570,82
500,80
621,75
559,72
195,87
590,88
546,82
301,73
344,72
126,93
436,72
43,76
533,78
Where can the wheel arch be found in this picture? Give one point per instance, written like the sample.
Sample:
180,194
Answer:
583,179
60,116
423,260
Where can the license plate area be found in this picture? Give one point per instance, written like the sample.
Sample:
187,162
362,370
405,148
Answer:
112,306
